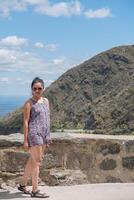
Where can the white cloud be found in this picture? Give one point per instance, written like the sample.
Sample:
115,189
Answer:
7,56
45,7
49,8
27,64
24,62
36,2
6,6
18,68
13,41
58,61
99,13
39,45
51,47
60,9
4,79
19,79
48,47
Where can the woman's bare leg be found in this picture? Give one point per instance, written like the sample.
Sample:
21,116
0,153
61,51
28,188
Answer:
36,159
27,172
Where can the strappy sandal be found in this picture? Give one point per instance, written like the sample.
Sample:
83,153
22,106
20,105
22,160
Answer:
23,189
38,194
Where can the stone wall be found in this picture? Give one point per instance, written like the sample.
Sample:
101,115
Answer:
72,158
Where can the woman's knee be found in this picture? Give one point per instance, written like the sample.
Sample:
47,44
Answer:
36,155
36,162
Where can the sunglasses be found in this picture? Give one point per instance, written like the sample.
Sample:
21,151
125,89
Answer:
40,88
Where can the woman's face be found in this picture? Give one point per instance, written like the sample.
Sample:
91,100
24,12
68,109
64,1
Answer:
37,89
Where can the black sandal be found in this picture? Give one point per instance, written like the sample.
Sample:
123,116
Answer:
38,194
23,189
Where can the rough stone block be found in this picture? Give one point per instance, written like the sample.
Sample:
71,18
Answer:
108,164
109,148
13,161
63,177
128,162
112,179
50,161
129,146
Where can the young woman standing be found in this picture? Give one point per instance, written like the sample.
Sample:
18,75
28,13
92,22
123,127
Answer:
36,126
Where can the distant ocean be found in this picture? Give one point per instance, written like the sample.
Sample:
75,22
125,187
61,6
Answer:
11,103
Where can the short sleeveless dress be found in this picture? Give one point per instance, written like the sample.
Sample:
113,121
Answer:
39,124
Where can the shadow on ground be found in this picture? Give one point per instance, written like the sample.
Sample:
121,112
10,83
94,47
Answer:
9,195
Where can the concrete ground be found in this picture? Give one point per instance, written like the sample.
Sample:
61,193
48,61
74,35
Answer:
102,191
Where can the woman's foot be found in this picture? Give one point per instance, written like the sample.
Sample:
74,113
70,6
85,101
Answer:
38,194
23,189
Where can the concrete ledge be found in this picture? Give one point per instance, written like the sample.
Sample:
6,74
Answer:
69,136
16,139
120,191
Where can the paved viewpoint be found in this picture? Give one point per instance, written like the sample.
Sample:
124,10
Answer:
102,191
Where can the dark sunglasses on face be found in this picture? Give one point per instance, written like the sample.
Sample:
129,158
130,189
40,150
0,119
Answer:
34,89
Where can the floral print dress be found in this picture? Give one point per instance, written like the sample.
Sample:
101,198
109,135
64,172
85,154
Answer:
39,124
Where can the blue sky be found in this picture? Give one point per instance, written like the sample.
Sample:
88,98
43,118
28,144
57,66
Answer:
47,37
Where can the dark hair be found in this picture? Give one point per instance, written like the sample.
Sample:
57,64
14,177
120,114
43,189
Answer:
36,80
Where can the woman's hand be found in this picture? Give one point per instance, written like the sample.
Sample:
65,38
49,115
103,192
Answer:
25,145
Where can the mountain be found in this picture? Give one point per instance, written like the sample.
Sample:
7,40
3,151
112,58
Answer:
97,94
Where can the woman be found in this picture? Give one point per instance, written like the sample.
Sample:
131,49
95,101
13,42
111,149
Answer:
36,127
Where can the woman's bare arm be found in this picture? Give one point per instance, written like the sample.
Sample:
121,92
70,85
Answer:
26,116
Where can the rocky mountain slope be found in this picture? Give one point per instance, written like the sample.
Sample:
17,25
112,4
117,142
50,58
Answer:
97,94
